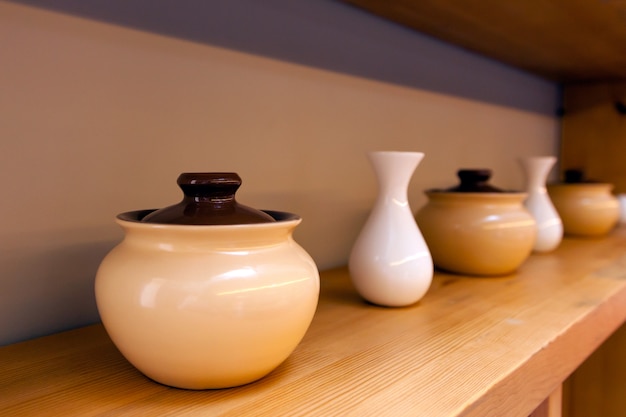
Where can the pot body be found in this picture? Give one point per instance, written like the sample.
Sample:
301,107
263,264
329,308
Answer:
390,264
587,209
539,204
485,234
202,307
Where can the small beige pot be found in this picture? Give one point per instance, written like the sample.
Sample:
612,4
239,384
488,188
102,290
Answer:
484,234
586,209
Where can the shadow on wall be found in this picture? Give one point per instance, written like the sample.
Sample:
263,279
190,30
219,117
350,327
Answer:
60,279
325,34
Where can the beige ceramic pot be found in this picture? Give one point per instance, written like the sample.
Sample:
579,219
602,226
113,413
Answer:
586,208
482,232
207,306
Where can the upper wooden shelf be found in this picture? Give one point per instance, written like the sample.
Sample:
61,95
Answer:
471,347
562,40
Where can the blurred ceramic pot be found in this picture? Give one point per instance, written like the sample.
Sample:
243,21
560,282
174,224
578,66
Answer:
586,208
198,297
477,229
621,198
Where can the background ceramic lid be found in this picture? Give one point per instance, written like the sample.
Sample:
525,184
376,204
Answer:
471,181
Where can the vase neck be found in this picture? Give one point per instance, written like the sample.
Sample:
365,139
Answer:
394,171
536,171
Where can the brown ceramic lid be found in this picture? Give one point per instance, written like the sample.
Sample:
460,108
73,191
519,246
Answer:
209,199
577,176
474,181
574,176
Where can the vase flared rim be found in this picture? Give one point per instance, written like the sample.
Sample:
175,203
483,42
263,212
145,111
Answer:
406,153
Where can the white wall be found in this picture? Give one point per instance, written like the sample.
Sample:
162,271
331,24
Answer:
97,118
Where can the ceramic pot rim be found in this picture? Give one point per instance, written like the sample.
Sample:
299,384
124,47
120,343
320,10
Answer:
282,218
487,197
580,184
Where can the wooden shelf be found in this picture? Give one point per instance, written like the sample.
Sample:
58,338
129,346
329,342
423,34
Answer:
471,347
566,41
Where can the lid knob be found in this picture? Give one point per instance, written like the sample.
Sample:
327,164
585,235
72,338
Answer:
474,181
209,199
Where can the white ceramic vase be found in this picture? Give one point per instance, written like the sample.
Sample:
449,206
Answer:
390,264
538,203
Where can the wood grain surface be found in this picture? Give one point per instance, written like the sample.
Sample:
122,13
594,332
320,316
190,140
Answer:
472,347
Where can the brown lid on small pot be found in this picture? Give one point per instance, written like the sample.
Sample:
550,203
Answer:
474,181
577,176
209,199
